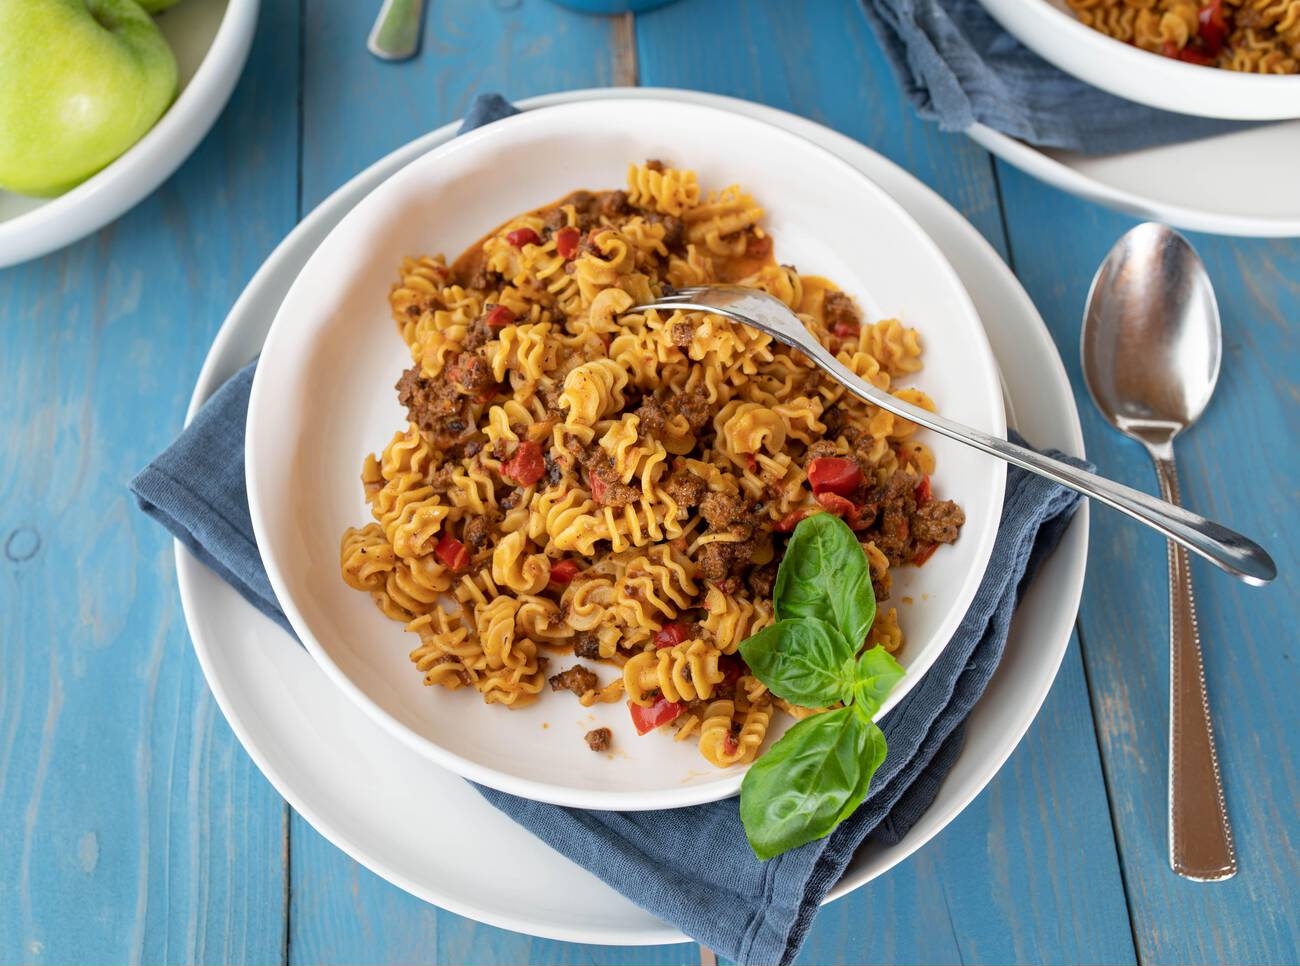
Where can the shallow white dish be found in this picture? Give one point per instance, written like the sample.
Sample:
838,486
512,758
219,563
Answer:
322,399
211,39
1049,29
1234,184
362,789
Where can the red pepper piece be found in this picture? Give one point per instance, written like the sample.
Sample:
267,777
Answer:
732,666
670,635
751,461
566,242
523,236
841,507
924,553
1212,27
563,572
846,329
452,553
598,488
655,716
923,492
791,519
499,317
729,744
834,474
527,465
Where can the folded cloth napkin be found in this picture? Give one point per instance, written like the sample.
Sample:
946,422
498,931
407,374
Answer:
690,866
959,67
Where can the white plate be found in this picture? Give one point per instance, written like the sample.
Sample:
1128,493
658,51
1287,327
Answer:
322,399
364,790
1243,183
1048,28
211,39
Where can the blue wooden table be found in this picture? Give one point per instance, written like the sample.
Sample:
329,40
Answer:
134,828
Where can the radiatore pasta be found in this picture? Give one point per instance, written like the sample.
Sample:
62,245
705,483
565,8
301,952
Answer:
1252,36
597,499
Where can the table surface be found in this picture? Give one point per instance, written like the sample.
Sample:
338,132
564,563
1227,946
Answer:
133,827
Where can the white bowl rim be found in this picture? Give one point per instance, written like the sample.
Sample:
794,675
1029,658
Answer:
728,781
121,185
1111,64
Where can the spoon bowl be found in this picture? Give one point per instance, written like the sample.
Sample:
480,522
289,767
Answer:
1152,342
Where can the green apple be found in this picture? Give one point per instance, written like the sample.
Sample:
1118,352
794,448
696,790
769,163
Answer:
157,6
80,82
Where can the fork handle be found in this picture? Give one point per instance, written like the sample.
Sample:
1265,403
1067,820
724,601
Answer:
1200,839
1223,547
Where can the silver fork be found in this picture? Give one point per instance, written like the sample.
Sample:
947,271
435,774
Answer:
1225,548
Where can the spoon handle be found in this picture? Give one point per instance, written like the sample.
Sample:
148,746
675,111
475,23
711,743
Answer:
396,34
1200,839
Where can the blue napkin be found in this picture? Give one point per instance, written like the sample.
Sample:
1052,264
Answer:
691,866
958,66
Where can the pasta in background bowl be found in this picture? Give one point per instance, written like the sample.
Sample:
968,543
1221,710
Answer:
1121,52
322,400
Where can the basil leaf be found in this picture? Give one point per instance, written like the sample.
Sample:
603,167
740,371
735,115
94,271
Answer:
809,781
825,575
874,676
804,661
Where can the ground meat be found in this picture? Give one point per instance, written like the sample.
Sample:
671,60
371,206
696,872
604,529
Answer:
550,397
434,405
686,488
479,334
586,645
823,447
653,415
721,510
474,446
484,278
761,580
674,231
838,310
614,204
471,374
939,521
554,472
478,532
441,482
555,219
577,679
718,561
599,739
895,504
695,406
586,208
681,333
654,164
833,420
612,491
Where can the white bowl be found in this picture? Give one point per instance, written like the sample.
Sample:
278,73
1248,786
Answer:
322,399
211,39
1049,29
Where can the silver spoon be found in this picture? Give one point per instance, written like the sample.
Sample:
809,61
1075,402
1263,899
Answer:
396,33
1151,348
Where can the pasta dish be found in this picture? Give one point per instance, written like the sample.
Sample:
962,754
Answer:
1254,36
578,484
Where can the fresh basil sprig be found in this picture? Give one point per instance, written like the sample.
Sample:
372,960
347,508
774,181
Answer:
819,772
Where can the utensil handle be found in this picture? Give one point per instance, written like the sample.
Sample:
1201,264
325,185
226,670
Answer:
1225,548
396,34
1200,839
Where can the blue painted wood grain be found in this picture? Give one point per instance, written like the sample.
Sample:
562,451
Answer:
132,825
1238,464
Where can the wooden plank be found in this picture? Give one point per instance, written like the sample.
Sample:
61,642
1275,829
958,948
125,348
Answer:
132,826
1239,464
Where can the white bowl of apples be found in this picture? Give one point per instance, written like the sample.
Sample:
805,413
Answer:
100,101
